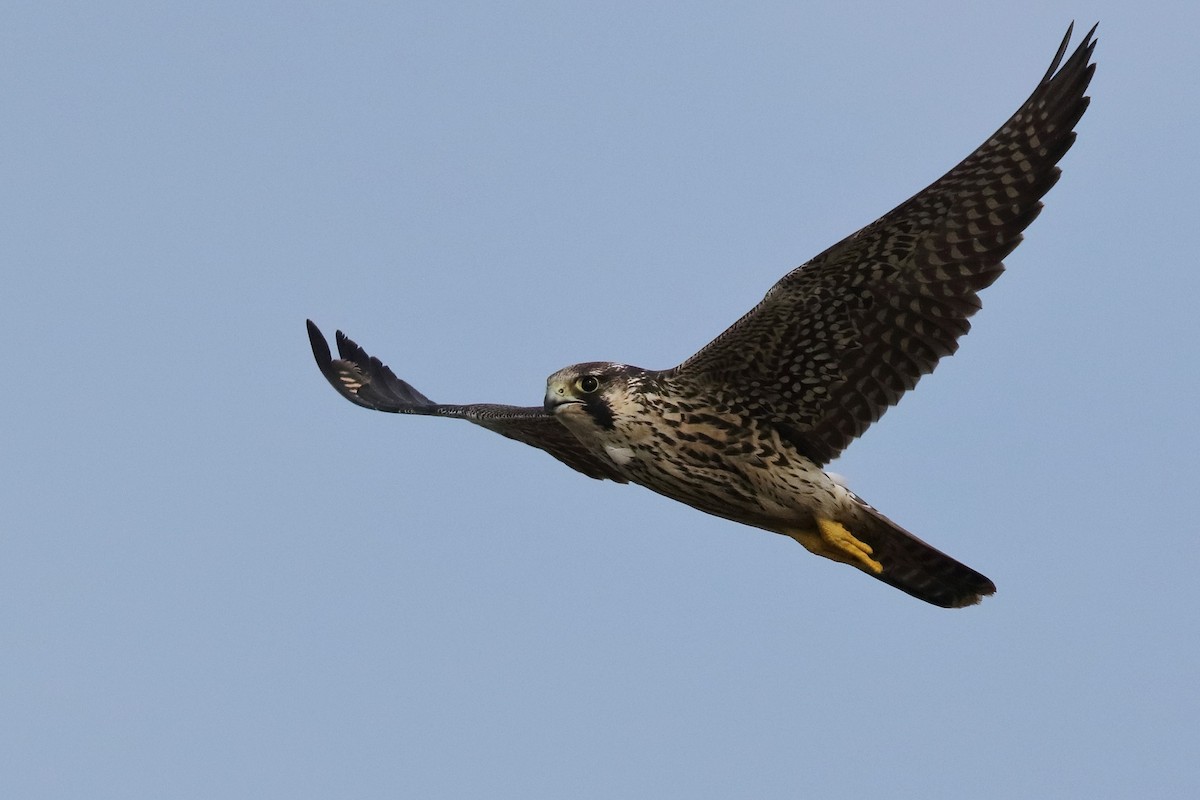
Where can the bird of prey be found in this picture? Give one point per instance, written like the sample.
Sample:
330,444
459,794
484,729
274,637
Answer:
742,428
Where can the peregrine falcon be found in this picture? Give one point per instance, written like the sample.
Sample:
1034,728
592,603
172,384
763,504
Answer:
742,428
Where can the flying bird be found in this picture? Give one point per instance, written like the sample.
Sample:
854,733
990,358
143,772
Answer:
742,428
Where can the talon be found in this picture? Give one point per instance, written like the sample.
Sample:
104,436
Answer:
856,551
833,541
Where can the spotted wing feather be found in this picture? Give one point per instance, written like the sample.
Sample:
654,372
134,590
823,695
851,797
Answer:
366,381
840,339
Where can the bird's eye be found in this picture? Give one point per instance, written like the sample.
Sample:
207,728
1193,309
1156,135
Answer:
587,384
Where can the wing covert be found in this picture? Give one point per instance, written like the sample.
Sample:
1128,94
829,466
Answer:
840,339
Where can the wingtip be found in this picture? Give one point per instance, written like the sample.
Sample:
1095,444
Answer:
320,347
1087,44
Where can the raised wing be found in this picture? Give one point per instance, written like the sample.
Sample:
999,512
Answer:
366,381
840,339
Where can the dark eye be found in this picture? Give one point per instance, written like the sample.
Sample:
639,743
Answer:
588,384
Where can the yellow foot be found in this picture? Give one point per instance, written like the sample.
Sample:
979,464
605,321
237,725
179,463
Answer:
833,541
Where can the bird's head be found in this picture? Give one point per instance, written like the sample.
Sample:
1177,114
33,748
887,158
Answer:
594,393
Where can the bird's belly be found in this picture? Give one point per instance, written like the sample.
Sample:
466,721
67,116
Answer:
769,491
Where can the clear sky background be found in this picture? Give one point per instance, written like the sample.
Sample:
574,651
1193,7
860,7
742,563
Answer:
220,580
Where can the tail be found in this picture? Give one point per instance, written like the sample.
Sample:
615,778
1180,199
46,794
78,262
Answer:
916,568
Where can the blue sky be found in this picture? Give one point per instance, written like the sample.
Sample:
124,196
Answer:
218,579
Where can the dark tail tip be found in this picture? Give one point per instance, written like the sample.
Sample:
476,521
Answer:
916,568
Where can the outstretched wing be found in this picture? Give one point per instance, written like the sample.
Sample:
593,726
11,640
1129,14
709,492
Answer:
840,339
364,380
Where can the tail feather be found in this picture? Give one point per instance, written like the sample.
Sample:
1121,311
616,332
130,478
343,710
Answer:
913,566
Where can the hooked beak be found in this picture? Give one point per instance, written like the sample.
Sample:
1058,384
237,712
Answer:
558,396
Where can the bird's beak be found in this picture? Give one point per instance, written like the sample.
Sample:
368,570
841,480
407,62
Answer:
557,395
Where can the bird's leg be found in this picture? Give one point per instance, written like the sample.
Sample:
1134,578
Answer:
833,541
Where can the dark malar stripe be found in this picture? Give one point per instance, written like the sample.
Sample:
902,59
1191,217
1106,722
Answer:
600,411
